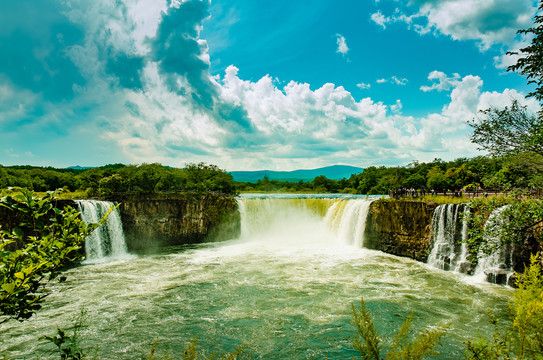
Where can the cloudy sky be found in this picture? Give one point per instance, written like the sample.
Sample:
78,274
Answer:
251,85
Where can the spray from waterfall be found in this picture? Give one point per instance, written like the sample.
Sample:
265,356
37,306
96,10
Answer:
107,241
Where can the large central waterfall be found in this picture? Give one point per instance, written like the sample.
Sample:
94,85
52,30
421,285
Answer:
284,288
107,241
306,221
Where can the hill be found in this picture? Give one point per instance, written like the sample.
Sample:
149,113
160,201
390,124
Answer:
335,172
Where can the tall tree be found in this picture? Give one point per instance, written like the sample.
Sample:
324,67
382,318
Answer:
530,63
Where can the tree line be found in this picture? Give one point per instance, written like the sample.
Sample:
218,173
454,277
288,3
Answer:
499,174
119,178
502,173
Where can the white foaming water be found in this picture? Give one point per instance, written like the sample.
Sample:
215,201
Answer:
490,267
107,242
347,218
449,250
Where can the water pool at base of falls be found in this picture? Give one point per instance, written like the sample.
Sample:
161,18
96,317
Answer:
285,291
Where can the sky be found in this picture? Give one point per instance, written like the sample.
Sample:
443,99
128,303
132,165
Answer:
252,85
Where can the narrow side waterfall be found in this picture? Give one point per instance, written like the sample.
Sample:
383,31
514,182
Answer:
108,240
449,251
496,267
321,220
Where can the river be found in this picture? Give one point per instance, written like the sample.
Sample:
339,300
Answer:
284,289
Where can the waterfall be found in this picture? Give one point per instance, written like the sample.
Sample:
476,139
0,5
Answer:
449,250
342,219
496,267
107,241
347,218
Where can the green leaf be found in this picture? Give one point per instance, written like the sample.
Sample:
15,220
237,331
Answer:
18,233
9,288
19,275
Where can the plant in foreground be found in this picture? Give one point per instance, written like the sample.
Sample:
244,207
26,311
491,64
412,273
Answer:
523,337
46,241
368,341
191,352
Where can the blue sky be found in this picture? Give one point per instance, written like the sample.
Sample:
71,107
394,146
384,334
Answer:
252,85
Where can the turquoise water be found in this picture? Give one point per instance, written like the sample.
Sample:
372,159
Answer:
284,289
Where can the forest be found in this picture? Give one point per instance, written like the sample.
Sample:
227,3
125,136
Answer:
501,173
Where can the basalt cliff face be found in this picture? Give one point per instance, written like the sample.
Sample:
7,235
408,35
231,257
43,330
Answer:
400,228
154,221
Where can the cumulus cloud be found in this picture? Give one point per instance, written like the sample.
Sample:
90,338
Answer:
442,83
342,47
363,85
488,23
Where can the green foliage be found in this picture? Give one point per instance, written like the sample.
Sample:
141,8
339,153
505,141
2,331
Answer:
191,352
117,178
511,130
368,341
519,218
47,240
522,337
527,310
69,346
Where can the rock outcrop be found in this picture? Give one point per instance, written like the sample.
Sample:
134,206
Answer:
400,227
154,221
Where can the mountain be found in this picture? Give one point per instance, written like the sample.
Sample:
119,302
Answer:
335,172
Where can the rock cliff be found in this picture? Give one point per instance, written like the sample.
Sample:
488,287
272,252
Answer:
153,221
400,228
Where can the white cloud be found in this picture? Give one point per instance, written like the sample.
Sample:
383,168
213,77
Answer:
443,82
488,23
398,81
363,85
342,47
393,80
396,108
380,19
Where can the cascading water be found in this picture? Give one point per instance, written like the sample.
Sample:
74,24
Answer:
449,250
106,242
322,220
347,218
496,267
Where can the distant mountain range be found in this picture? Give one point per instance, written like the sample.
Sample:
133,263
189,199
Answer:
335,172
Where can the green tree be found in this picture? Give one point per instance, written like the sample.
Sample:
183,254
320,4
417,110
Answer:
437,179
511,130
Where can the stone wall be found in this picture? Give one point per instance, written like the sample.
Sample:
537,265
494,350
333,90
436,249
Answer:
400,228
154,221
